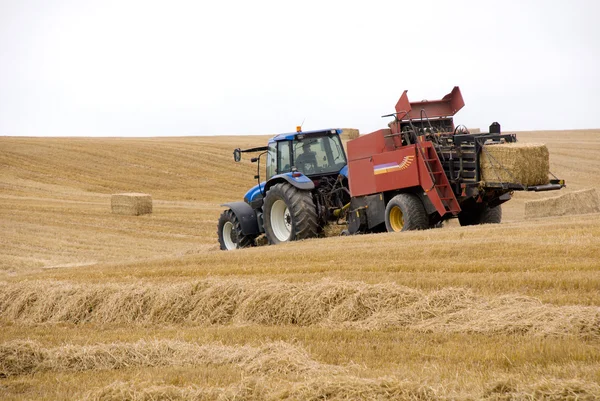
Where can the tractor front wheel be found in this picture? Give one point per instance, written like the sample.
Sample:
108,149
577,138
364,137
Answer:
405,212
230,233
289,214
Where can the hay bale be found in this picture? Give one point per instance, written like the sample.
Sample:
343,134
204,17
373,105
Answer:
518,163
350,133
131,204
475,130
578,202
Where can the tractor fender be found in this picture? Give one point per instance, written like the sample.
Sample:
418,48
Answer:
300,182
246,216
344,171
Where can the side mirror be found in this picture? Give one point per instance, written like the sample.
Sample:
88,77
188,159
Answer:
237,155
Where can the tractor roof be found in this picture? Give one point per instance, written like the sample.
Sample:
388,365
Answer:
293,135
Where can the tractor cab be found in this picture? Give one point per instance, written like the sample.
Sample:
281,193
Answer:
312,153
303,159
305,188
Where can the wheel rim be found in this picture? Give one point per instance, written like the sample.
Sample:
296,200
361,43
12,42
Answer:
227,236
281,220
396,219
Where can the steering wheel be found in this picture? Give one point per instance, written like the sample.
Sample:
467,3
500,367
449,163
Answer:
308,168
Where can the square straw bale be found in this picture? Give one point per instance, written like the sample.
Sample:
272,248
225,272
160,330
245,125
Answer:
131,204
349,133
515,163
578,202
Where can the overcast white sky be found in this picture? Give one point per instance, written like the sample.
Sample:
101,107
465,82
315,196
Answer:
157,68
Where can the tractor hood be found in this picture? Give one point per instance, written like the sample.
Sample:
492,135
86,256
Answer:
255,192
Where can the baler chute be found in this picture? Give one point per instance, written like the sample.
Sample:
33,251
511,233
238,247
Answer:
447,106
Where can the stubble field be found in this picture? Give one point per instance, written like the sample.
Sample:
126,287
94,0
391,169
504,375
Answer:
107,307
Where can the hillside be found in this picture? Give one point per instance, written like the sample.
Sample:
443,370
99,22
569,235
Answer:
118,307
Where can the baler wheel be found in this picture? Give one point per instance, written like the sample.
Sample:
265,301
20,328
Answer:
405,212
491,215
481,215
230,234
289,214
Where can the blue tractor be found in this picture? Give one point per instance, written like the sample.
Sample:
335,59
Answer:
305,188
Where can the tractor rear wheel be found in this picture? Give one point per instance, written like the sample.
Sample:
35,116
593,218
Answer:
230,233
480,215
289,214
405,212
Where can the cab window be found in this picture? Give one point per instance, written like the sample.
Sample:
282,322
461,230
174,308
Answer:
272,160
283,164
319,154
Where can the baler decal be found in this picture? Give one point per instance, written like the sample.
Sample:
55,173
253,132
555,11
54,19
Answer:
389,167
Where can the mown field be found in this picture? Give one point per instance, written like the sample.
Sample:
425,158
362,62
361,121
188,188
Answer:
105,307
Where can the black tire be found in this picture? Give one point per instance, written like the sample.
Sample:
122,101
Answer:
491,215
439,224
230,234
468,217
480,215
405,212
289,214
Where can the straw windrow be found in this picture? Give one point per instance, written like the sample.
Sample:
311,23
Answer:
325,303
262,388
345,387
22,357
